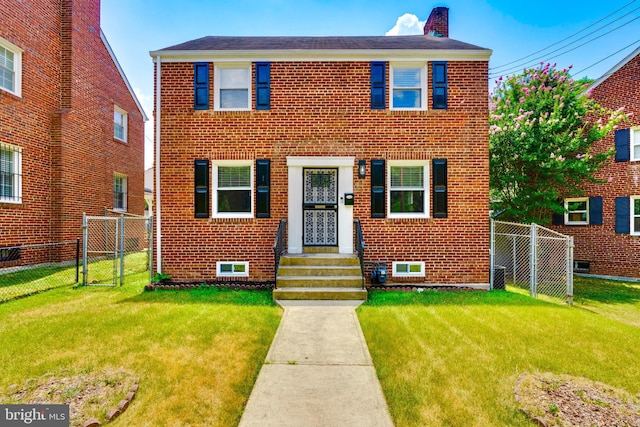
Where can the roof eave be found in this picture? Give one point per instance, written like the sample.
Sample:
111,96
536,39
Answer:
124,76
615,68
322,54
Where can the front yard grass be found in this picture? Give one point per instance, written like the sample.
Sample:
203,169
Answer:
197,353
452,358
614,299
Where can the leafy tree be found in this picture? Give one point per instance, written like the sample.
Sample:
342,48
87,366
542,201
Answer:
542,128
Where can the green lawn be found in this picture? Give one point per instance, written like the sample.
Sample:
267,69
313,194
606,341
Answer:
32,280
452,359
617,300
443,358
197,353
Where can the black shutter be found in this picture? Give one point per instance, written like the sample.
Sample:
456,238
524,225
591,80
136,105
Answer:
201,85
378,83
440,85
439,188
558,218
378,208
595,210
201,185
623,215
263,85
263,188
623,143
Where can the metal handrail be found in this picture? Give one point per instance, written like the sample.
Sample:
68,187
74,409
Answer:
359,237
280,245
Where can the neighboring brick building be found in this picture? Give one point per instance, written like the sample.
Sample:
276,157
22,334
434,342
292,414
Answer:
606,222
71,128
258,129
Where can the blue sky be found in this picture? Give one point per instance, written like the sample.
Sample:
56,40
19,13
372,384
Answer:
512,29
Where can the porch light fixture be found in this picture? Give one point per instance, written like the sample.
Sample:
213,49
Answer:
362,169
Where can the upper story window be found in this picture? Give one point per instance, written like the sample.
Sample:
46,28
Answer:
119,124
120,192
10,174
635,144
233,189
408,87
408,195
576,211
10,68
232,85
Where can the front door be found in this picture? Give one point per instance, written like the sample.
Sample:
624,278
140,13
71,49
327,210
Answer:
320,209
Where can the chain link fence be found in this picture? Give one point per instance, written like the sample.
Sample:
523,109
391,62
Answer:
532,257
115,247
29,269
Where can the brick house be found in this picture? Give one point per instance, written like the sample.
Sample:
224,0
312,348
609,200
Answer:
322,131
606,222
71,128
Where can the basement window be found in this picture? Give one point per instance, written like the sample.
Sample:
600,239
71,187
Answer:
408,269
232,268
9,254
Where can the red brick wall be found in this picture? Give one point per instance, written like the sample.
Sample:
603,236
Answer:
610,253
64,122
26,122
323,109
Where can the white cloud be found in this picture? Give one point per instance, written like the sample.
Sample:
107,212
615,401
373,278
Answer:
407,25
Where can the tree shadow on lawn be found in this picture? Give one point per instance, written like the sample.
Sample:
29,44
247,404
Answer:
205,296
605,291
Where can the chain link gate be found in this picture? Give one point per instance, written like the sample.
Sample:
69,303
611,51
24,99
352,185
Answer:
114,247
532,257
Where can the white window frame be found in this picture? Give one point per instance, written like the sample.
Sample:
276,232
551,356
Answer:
214,179
17,67
408,273
124,124
233,273
634,143
124,192
632,229
567,212
16,173
424,84
216,83
402,163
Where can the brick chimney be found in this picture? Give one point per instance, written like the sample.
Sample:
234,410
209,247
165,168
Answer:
438,22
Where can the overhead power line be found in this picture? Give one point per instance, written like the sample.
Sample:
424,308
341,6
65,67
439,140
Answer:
549,58
607,57
572,35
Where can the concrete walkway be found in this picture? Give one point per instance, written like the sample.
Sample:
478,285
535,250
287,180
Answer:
318,372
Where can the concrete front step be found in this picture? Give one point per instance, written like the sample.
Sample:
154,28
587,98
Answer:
318,281
320,260
319,270
320,294
319,276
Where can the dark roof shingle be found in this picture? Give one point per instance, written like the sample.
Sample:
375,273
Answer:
418,42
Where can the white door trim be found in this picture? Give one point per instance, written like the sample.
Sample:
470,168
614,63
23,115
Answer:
345,167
